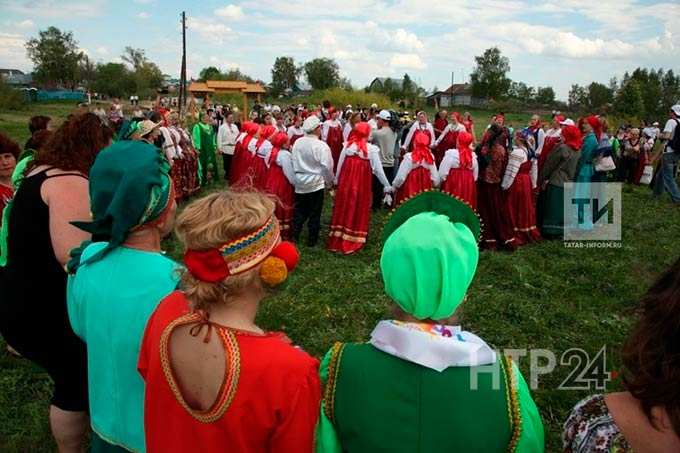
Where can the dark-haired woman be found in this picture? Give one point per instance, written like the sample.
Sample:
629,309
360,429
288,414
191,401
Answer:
645,417
33,318
36,124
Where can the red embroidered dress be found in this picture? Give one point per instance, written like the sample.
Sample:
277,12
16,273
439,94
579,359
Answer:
520,204
242,158
334,140
268,401
459,174
417,171
280,183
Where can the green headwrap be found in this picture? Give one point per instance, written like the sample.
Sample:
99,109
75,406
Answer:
429,258
129,187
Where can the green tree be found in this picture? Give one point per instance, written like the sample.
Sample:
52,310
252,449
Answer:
87,72
670,90
489,78
545,96
322,73
346,84
134,57
146,74
599,96
284,75
114,79
578,97
55,56
629,101
209,73
236,74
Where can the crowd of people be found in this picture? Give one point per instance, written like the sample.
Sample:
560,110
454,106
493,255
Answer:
150,354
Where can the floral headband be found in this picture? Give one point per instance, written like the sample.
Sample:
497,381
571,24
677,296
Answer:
244,253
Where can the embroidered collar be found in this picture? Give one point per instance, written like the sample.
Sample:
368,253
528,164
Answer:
433,346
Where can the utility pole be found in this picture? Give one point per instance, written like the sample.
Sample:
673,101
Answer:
183,70
451,90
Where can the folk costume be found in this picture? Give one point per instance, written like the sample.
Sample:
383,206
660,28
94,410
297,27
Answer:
446,140
280,182
205,143
359,160
227,135
387,395
459,171
559,168
331,133
113,289
498,228
182,157
242,160
269,396
259,151
417,171
419,129
519,182
294,133
584,177
553,138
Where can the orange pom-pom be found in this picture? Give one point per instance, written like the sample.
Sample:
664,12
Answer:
273,271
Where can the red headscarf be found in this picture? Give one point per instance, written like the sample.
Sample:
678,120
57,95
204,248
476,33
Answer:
594,122
559,119
456,115
571,135
265,133
359,137
421,149
250,129
278,141
464,152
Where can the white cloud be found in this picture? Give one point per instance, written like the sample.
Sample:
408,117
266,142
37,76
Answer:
407,61
231,12
24,24
13,52
102,50
209,29
56,9
143,15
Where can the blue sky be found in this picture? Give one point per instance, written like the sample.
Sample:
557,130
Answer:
554,43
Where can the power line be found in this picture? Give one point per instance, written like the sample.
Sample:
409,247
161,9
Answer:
183,70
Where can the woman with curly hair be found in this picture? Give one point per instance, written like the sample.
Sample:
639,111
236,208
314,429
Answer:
646,416
53,194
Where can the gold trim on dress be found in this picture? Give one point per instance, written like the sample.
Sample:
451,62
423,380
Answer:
332,381
512,398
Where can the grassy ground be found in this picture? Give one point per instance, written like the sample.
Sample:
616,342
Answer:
543,296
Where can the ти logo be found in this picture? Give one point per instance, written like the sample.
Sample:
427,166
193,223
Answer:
592,211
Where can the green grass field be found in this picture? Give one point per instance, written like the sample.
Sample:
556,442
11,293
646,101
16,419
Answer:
542,296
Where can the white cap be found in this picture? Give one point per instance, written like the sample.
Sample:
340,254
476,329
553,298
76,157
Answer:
385,115
676,109
655,123
349,107
311,124
276,108
568,122
374,106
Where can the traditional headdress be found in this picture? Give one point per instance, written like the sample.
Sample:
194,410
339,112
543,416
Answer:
571,135
243,254
359,137
421,149
594,122
265,133
464,152
430,254
277,140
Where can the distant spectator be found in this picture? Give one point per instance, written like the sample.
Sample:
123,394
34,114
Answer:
35,124
665,178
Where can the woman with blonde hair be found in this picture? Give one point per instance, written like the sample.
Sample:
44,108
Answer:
214,379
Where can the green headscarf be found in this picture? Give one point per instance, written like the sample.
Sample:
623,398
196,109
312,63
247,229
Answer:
429,259
129,187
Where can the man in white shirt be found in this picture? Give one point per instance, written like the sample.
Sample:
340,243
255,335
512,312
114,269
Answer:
665,178
313,165
226,141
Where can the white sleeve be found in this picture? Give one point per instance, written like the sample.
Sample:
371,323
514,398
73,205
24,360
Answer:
541,142
346,131
341,161
434,174
285,160
441,136
221,138
404,169
324,131
326,160
445,166
376,166
511,170
265,151
409,136
475,167
431,130
289,132
533,173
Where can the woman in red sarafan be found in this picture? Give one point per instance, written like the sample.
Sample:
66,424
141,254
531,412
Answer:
259,151
215,381
331,133
448,138
553,137
242,159
519,183
459,171
281,181
353,198
417,171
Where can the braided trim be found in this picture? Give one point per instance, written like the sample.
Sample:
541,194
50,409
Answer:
231,377
332,382
513,403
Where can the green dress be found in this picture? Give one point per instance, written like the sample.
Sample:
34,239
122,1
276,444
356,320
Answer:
204,139
374,401
109,302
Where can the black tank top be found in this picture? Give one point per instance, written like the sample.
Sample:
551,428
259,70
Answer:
33,284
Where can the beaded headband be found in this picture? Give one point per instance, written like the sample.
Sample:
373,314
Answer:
234,257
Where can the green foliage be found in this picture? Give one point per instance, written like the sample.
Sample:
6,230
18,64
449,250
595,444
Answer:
322,73
489,78
599,96
629,100
284,75
55,56
407,93
213,73
578,98
147,75
341,97
10,98
545,96
210,73
114,79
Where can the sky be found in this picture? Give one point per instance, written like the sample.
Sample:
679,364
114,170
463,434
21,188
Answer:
551,43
